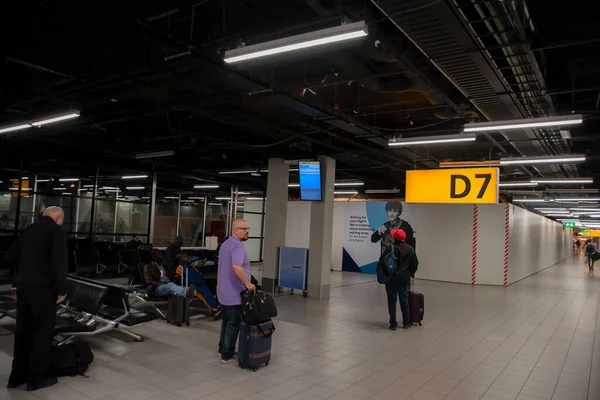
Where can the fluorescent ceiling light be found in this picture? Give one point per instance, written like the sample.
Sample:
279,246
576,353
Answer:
145,198
88,186
566,181
12,128
297,42
154,154
222,198
134,177
108,188
171,197
348,184
543,160
558,215
517,184
529,201
243,193
56,118
254,198
196,198
555,212
579,199
551,209
294,185
214,204
59,188
206,186
135,187
22,189
43,180
427,140
66,194
69,180
585,209
381,191
524,123
469,164
17,179
349,192
241,171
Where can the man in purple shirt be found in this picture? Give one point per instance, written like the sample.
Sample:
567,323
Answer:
233,278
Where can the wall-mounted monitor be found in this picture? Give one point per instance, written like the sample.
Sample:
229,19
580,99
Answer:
310,180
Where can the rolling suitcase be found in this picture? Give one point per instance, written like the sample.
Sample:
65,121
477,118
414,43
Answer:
254,348
416,304
178,311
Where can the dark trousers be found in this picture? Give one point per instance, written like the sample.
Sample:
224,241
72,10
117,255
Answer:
36,314
395,291
590,258
230,329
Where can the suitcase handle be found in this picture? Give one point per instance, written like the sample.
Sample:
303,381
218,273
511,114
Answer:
264,333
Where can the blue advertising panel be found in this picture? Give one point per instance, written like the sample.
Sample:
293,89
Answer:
293,263
310,180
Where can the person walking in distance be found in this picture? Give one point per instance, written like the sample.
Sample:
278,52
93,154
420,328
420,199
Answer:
407,265
41,257
590,252
233,277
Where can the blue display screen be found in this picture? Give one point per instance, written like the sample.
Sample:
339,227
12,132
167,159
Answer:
310,180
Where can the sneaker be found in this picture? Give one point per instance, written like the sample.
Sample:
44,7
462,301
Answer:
406,326
221,354
191,291
228,361
393,327
216,315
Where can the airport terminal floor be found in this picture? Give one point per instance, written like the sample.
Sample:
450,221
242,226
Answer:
536,339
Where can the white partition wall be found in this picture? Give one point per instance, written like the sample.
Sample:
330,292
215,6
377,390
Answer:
536,243
487,245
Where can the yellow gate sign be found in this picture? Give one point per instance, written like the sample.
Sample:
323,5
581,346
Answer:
24,188
468,185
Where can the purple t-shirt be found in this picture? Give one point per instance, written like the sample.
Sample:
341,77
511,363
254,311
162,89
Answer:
232,252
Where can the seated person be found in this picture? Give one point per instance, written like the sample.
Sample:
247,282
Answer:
194,277
134,244
156,279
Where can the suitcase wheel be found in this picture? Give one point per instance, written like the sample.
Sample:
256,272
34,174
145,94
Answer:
241,366
255,369
267,363
420,324
304,294
187,323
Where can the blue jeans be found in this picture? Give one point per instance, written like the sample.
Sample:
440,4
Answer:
166,288
230,329
394,291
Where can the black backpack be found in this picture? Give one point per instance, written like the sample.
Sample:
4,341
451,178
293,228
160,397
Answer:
71,359
387,265
589,248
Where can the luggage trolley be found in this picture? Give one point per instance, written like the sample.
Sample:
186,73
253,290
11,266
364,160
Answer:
293,269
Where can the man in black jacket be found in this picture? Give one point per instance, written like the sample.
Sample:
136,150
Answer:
394,211
407,265
41,258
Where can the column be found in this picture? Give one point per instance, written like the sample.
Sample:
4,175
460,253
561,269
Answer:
275,220
321,235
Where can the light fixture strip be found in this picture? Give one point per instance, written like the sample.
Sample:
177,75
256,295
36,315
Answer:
134,177
542,160
206,186
517,184
297,42
348,184
427,140
564,181
524,123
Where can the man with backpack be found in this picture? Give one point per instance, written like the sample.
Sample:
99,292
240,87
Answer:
396,266
590,252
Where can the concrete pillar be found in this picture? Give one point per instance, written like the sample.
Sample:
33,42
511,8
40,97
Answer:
275,220
321,235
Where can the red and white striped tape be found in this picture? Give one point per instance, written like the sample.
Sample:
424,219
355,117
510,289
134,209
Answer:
474,252
506,240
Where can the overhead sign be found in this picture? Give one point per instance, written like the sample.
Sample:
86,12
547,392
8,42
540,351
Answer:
468,185
590,233
569,225
24,188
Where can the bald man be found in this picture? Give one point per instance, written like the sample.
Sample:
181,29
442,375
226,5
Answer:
41,258
233,277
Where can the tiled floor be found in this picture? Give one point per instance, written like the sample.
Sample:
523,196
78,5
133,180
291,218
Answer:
534,340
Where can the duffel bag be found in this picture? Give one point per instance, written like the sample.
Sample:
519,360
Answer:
257,307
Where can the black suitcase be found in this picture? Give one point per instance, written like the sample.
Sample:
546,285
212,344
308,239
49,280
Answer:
254,347
178,312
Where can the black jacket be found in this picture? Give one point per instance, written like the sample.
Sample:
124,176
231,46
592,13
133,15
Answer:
408,263
41,255
387,239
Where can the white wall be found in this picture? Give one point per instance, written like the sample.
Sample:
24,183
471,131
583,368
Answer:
490,245
536,243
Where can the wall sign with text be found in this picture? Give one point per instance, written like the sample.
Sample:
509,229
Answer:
468,185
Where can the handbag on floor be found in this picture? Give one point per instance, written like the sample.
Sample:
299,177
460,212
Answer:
71,359
254,346
257,307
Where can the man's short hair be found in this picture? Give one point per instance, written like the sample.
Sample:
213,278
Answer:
393,205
